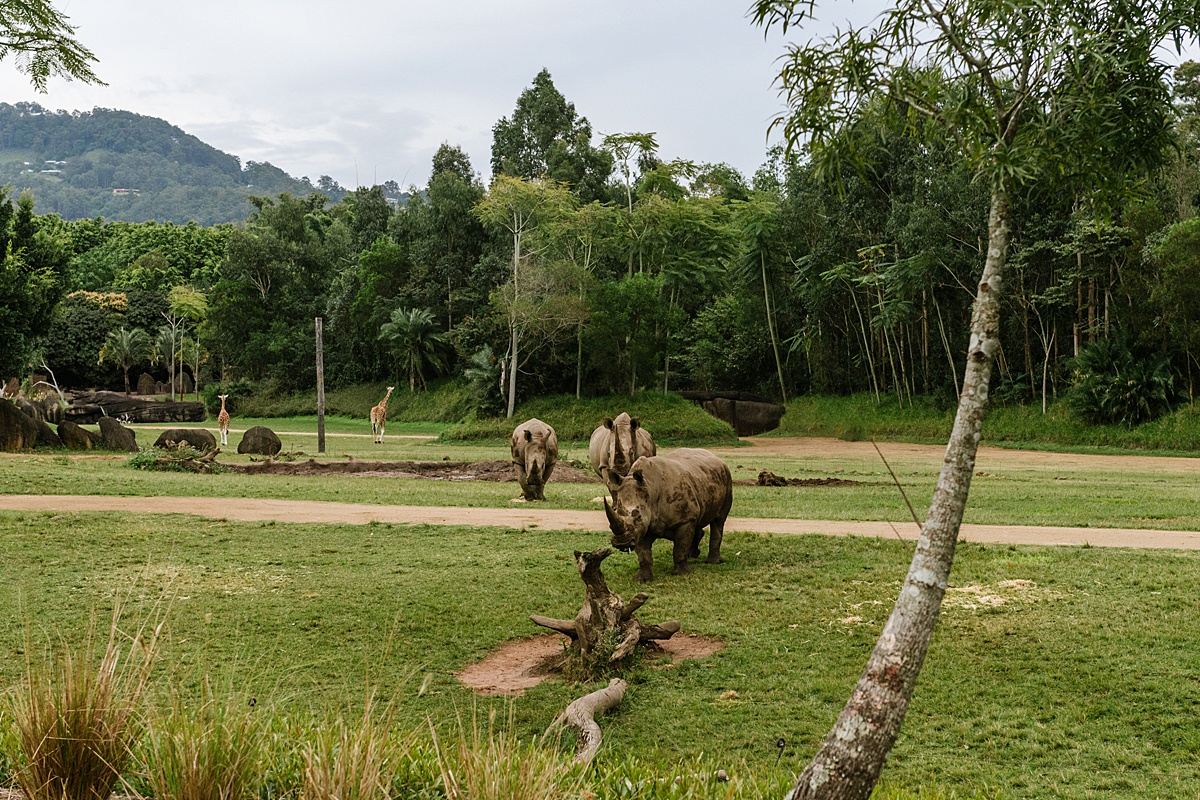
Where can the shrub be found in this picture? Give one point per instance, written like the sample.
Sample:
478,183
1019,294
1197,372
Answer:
239,392
1116,385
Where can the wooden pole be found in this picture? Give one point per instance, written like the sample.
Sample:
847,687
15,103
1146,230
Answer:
320,391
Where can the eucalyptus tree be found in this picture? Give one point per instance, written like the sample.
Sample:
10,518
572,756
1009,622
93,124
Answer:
126,347
518,207
1034,94
546,138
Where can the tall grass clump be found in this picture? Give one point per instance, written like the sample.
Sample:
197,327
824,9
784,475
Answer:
80,711
348,761
495,765
210,750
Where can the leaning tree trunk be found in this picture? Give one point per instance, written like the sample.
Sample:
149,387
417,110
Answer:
852,757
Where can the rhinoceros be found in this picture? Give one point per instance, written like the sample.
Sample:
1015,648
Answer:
534,451
615,445
671,497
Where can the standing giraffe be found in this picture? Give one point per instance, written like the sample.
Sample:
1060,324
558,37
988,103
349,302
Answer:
223,422
379,416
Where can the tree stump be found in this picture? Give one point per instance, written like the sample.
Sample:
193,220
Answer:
605,620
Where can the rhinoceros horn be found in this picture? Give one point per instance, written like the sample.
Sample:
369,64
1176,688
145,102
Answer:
614,522
620,539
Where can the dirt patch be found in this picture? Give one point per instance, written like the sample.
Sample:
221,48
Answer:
768,478
493,471
515,666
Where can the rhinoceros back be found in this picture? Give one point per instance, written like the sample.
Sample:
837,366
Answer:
687,484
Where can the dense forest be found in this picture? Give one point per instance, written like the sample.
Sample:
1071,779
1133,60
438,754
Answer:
132,168
593,265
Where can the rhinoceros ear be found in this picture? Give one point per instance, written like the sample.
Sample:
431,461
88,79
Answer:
637,476
608,423
528,435
634,424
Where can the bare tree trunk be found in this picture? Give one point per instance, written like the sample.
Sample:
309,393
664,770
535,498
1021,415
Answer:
849,762
771,328
512,375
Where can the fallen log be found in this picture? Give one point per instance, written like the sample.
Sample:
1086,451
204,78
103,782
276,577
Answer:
581,715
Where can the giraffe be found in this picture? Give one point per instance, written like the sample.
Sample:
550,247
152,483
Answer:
223,422
379,416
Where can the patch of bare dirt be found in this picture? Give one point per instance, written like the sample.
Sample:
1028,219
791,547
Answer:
768,478
515,666
493,471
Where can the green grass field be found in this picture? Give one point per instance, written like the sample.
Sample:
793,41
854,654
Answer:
1055,672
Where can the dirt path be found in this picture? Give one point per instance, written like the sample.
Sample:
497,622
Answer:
255,510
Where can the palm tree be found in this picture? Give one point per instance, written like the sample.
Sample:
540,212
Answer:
416,341
126,347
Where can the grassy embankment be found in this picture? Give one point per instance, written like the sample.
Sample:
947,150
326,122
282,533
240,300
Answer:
858,418
1055,672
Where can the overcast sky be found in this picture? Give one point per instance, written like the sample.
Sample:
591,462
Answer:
366,91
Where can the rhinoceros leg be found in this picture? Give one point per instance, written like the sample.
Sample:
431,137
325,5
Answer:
645,557
716,533
685,537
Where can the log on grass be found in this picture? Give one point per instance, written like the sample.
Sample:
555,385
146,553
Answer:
581,715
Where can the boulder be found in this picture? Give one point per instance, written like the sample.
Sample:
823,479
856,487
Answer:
46,435
115,436
18,431
746,413
145,384
12,388
77,438
184,384
198,438
260,441
91,407
28,407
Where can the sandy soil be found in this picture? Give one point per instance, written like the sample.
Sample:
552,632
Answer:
518,665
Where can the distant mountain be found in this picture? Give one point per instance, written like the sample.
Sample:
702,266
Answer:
125,166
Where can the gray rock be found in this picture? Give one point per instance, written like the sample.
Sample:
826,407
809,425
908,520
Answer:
77,438
18,431
260,441
145,383
46,435
198,438
115,436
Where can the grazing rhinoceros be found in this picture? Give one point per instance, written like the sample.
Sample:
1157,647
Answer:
534,451
615,445
671,497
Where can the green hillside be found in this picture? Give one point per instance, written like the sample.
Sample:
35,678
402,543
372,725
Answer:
128,167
